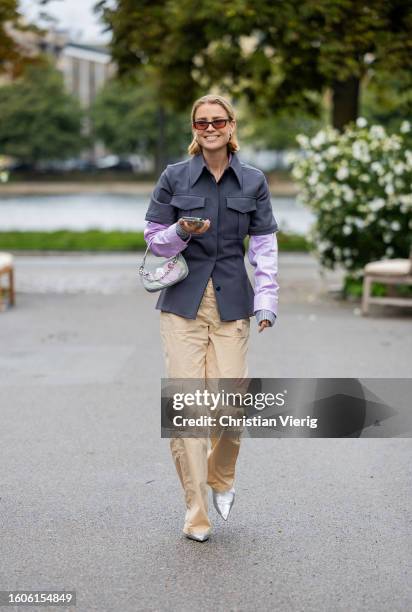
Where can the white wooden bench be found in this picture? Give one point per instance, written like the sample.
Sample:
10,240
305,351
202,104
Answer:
6,269
389,272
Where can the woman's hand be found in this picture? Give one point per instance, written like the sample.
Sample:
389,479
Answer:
191,228
263,324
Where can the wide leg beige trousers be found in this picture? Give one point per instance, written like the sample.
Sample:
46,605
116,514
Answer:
204,348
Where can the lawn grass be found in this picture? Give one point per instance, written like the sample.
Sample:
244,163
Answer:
99,240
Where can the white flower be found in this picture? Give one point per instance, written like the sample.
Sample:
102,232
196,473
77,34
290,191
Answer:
297,173
361,122
313,179
342,173
332,152
365,178
347,230
321,190
408,155
377,131
399,167
387,237
360,151
405,127
377,168
324,245
406,199
395,225
389,189
290,158
347,193
389,251
387,178
318,140
360,224
376,204
302,140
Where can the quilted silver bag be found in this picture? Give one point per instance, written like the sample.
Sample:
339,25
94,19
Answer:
162,272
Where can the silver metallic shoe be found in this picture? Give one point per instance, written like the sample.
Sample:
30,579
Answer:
223,502
199,537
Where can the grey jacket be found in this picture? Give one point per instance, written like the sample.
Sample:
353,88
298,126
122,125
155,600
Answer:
238,205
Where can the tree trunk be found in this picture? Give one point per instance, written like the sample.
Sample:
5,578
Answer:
345,102
161,153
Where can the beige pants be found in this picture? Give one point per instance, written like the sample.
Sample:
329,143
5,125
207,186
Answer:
204,348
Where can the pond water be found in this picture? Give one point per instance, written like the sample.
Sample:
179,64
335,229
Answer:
111,212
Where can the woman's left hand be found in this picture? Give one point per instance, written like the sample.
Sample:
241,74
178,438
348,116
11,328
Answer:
263,324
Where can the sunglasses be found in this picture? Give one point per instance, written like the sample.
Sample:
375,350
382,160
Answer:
216,123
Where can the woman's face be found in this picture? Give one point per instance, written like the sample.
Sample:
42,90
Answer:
213,139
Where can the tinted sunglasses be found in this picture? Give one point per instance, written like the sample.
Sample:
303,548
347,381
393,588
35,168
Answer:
216,123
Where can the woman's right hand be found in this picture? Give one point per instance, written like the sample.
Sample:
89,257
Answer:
191,227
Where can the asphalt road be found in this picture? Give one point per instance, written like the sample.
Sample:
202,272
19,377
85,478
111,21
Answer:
89,496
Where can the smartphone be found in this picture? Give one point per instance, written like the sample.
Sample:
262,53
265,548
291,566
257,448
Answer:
196,221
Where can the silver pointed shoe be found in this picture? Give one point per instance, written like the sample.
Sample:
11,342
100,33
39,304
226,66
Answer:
223,502
198,537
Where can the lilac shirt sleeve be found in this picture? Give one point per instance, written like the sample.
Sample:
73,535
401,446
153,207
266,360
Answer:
163,239
263,255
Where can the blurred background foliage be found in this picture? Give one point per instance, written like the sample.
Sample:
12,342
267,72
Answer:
289,67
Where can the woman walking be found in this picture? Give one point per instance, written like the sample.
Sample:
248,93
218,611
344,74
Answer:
205,318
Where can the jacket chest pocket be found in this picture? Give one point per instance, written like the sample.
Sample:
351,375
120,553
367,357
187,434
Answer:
238,214
188,205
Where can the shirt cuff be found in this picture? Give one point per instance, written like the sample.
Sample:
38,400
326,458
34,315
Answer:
182,233
264,302
172,237
261,315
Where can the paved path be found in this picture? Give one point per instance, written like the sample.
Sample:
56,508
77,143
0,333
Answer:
89,496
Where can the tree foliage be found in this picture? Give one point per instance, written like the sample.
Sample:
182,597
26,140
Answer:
125,116
279,55
8,51
13,57
39,120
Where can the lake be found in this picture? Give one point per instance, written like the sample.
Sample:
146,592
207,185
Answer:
112,212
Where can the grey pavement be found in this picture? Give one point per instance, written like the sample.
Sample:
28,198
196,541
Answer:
89,495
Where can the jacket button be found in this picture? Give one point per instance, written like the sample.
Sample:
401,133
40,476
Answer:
218,288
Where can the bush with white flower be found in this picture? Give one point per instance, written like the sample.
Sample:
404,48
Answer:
359,185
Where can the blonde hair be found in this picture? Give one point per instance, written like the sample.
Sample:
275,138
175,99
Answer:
194,148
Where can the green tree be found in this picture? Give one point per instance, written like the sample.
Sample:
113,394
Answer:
125,116
386,100
279,55
276,131
39,120
13,57
10,55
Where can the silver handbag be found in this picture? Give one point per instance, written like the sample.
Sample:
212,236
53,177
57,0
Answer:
162,272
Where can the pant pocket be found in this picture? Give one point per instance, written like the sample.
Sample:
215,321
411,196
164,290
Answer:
242,327
238,328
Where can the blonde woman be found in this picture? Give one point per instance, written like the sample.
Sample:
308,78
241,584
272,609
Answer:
205,319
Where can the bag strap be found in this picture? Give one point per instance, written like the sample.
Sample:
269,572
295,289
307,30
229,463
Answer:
171,264
145,255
